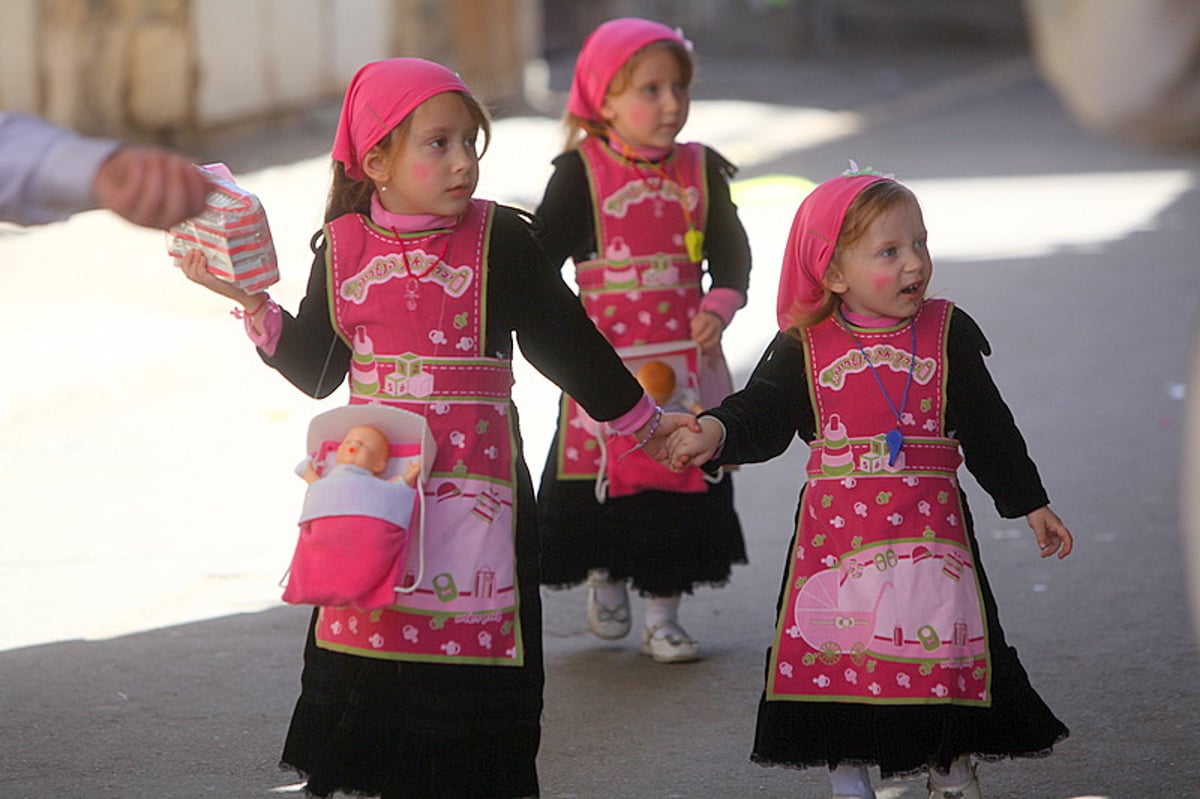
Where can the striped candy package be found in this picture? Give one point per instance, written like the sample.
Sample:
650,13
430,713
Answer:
233,234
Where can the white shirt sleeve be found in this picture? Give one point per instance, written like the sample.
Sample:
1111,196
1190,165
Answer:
46,172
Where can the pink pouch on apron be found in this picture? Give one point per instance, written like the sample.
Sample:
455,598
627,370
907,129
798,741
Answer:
628,471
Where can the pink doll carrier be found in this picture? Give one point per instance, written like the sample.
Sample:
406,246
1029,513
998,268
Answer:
353,552
233,234
626,470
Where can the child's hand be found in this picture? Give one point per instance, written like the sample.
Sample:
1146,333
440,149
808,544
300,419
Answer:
656,447
1052,535
693,446
195,266
706,329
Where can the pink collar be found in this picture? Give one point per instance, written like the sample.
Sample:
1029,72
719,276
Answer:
407,223
858,320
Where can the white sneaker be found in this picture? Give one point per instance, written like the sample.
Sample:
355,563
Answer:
609,623
970,790
675,646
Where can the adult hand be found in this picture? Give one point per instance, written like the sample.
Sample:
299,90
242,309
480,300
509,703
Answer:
150,186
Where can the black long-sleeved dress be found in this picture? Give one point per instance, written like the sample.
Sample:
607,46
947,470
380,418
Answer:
760,423
665,542
369,726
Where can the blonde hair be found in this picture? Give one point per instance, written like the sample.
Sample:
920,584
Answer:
576,128
347,195
870,204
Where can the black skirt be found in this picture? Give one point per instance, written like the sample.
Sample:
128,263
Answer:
904,740
665,542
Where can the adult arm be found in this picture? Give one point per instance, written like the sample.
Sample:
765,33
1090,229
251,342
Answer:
46,172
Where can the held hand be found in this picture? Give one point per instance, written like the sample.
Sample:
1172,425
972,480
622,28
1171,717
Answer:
1052,535
706,329
150,187
694,446
656,447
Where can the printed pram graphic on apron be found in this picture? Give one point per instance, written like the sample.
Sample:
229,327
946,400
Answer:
411,308
643,287
882,602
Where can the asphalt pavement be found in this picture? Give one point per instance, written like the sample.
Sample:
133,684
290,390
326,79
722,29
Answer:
148,495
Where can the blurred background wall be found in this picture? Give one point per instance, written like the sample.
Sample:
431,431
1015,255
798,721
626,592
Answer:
175,71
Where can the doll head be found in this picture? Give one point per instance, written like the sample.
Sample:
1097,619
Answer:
606,67
382,103
366,447
658,379
834,216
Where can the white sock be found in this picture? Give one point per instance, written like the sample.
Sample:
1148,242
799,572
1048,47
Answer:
608,593
662,610
958,776
851,780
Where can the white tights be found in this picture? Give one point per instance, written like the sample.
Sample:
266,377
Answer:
851,780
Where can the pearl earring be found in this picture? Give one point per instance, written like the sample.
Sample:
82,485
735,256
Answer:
383,188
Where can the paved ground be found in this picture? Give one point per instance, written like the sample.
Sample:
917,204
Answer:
147,458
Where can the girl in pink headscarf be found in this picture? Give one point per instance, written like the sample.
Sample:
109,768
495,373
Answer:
888,648
415,293
645,218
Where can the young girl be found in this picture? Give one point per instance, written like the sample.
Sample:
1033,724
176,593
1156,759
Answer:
416,290
888,648
639,214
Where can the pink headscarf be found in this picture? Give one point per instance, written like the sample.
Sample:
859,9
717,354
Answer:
812,240
380,95
604,52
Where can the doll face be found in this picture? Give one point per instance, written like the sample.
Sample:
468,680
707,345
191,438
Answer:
653,108
435,166
365,447
887,271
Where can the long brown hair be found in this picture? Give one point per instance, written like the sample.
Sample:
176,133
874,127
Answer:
577,128
871,203
347,195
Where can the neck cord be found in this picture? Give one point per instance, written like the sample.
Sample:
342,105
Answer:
693,239
894,438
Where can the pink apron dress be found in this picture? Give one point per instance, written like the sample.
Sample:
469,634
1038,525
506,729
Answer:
641,291
410,306
882,603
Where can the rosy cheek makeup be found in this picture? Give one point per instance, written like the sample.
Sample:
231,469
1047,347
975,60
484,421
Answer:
421,172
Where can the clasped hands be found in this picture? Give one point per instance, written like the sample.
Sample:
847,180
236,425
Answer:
683,440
